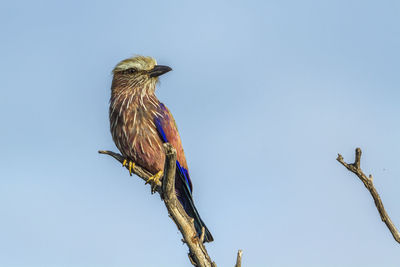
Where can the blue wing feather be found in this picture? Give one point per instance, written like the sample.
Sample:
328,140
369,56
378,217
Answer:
160,130
181,170
184,174
185,196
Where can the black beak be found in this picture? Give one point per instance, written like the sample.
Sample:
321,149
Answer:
159,70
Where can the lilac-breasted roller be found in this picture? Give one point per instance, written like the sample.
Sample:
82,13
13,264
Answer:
140,124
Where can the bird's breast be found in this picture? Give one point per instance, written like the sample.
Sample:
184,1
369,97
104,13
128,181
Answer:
134,132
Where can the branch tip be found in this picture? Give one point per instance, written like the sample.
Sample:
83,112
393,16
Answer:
368,182
202,234
358,158
239,258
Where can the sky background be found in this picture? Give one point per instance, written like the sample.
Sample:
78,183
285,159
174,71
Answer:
265,94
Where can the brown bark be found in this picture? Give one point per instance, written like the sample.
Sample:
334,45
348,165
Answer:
198,254
368,182
239,259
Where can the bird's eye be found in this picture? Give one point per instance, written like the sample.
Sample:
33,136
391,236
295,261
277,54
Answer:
130,71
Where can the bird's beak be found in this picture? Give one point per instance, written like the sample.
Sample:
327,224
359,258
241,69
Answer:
159,70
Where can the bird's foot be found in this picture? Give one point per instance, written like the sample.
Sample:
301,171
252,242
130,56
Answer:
129,164
154,180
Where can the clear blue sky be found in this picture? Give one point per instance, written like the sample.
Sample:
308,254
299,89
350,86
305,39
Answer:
265,94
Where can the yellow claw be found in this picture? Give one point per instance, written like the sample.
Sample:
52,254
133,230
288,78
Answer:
131,166
154,180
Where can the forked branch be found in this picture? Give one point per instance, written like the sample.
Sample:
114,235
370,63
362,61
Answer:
198,255
368,182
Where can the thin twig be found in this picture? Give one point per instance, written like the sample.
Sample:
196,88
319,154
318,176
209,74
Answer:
197,252
202,234
368,182
139,171
239,259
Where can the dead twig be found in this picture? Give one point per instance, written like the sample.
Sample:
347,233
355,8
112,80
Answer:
239,259
197,251
139,171
368,182
198,254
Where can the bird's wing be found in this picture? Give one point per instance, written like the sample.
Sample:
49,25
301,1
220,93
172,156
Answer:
168,132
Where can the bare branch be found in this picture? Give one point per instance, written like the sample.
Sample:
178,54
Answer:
197,251
368,182
239,259
198,255
139,171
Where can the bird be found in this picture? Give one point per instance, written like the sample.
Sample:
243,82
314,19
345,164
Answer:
140,124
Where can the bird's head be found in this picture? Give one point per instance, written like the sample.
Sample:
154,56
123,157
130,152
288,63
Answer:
139,72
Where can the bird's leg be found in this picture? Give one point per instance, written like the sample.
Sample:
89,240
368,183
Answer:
130,165
154,180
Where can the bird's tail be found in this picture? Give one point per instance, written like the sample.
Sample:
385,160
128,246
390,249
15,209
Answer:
183,187
187,203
